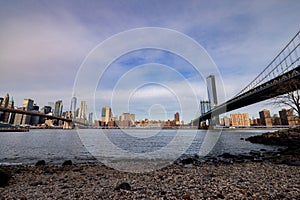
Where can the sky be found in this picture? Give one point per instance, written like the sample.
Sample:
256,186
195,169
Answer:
47,47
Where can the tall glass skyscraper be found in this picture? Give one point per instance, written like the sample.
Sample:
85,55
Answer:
212,91
73,107
73,104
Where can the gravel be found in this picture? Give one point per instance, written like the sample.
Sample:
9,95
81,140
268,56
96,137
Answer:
263,180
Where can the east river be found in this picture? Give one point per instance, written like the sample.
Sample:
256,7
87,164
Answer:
84,145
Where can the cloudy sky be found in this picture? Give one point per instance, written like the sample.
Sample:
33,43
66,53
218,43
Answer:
46,47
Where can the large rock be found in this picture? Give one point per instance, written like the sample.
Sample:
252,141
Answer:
123,186
40,163
287,137
5,176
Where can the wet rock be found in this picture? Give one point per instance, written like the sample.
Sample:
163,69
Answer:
123,186
40,163
5,176
227,155
67,163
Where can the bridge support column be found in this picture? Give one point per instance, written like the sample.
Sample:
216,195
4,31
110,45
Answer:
68,125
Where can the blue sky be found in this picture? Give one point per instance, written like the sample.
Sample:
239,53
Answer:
44,43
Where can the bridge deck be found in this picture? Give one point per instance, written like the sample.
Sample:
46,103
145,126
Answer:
289,81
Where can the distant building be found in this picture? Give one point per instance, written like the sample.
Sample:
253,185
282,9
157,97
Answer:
5,101
276,120
125,117
58,108
21,119
240,119
106,114
287,117
212,91
265,118
82,110
212,97
225,121
176,119
73,107
46,109
90,118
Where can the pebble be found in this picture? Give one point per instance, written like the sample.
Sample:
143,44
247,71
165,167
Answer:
253,180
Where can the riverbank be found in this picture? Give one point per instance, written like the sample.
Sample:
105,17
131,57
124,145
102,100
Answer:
231,181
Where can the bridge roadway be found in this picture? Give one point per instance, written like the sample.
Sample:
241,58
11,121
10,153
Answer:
32,113
287,82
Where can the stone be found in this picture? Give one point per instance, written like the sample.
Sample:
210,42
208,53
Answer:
67,163
5,176
40,163
123,186
186,196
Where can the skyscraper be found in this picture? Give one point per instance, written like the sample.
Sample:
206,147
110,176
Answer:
212,91
58,108
82,110
106,114
5,101
73,105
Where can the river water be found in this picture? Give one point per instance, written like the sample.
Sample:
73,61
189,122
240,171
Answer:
85,145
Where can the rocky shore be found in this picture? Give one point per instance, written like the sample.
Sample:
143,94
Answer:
257,175
252,180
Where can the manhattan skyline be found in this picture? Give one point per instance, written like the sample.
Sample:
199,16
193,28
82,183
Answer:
45,43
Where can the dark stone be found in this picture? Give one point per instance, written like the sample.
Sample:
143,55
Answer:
227,155
123,186
209,176
36,183
67,163
40,163
291,163
242,138
163,192
187,161
5,176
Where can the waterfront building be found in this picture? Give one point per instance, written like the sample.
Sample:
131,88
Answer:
5,101
106,114
51,104
276,120
125,117
132,117
73,107
90,118
287,117
265,118
240,119
83,110
176,119
58,108
46,109
225,121
21,119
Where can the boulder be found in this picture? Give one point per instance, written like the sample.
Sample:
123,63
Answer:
67,163
5,176
123,186
40,163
